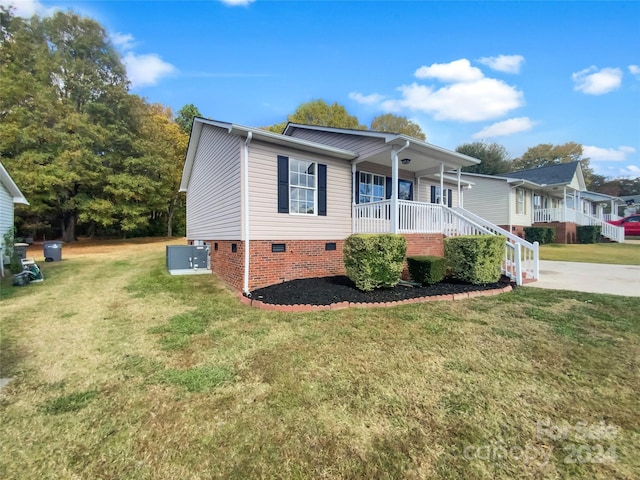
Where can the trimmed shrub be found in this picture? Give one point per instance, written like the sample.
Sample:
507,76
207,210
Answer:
588,233
475,259
374,261
541,235
427,270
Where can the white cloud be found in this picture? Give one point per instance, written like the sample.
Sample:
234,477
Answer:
122,40
634,70
366,99
456,71
237,3
28,8
607,154
592,81
630,171
481,100
146,70
504,63
506,127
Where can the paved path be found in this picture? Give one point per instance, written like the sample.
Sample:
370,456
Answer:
589,277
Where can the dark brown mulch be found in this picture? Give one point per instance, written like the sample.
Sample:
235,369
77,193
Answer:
328,290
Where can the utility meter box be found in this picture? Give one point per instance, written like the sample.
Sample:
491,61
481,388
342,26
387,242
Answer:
188,259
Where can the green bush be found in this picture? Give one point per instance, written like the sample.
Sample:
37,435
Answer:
588,233
541,235
374,261
427,270
475,259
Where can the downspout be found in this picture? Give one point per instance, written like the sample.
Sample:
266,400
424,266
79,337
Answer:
394,188
245,185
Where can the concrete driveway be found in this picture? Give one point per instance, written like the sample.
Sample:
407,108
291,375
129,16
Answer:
589,277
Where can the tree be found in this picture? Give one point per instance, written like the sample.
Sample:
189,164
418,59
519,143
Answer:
318,112
397,124
547,154
494,157
184,117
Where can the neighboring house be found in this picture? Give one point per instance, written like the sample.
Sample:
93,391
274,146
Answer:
554,195
631,205
10,194
279,207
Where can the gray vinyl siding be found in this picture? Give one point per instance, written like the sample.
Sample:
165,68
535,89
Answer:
489,198
364,146
424,191
6,213
214,190
525,218
265,223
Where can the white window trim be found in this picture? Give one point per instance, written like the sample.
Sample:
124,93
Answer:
444,196
315,188
373,175
520,211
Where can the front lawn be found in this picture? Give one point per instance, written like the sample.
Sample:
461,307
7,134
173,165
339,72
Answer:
121,371
612,253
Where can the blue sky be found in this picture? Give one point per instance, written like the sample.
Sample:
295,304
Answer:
515,73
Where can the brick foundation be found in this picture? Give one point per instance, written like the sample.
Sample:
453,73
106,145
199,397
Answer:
515,229
565,231
302,259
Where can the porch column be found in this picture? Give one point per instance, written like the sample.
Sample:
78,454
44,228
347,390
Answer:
394,191
459,202
353,198
442,183
612,217
564,205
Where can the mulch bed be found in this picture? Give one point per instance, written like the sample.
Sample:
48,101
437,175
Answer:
329,290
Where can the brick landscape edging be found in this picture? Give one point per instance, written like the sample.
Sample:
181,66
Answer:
342,305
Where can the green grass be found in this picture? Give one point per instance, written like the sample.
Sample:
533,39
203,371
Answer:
612,253
121,371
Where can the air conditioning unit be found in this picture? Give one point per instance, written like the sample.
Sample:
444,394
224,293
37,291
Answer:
188,259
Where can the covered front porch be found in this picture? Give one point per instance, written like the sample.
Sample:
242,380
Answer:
406,187
578,207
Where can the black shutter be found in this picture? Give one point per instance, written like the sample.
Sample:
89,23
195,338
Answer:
449,198
433,194
388,185
322,189
357,180
283,184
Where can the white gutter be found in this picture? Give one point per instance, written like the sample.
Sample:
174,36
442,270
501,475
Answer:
245,185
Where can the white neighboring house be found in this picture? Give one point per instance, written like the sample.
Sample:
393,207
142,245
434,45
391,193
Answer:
553,195
10,194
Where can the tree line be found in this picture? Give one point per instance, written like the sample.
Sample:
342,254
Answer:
94,159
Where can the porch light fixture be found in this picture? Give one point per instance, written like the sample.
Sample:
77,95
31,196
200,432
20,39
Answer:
405,161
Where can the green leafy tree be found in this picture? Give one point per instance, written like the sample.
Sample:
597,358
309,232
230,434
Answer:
184,117
548,154
494,157
397,124
318,112
66,123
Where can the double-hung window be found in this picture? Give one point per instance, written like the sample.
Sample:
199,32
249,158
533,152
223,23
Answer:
520,202
372,188
303,186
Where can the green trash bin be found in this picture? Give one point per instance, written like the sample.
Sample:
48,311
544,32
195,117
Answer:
52,251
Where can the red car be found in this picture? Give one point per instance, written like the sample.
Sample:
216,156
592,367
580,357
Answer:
631,224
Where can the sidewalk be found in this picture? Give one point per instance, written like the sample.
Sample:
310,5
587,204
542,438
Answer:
589,277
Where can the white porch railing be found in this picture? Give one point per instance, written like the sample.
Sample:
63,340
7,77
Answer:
610,216
546,215
521,257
